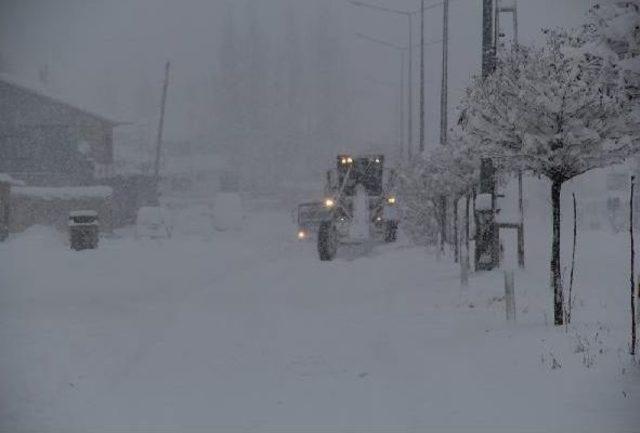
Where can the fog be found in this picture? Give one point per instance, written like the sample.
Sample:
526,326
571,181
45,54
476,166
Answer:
213,275
274,80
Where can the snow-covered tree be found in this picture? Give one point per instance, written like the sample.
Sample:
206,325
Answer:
451,171
613,29
420,213
555,112
612,32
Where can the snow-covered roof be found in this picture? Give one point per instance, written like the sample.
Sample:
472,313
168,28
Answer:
40,91
10,180
63,193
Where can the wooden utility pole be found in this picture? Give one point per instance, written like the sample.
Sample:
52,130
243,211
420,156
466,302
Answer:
163,103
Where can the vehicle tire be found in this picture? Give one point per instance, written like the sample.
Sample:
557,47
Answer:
391,232
327,241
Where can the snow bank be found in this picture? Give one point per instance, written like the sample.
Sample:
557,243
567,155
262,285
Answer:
10,180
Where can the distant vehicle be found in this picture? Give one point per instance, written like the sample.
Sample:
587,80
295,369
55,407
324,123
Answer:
151,223
359,206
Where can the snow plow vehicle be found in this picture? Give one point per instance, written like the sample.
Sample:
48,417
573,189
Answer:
359,205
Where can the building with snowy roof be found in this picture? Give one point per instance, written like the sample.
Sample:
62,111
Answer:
46,140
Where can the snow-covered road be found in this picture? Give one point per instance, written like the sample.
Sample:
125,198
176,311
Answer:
248,331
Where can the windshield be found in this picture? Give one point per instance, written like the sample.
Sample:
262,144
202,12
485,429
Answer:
367,172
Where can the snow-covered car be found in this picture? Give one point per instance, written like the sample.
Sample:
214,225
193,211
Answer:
151,223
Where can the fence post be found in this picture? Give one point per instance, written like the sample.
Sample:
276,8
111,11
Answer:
521,245
464,268
509,296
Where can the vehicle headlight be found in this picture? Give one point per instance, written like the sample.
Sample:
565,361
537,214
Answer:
301,234
329,203
391,200
350,160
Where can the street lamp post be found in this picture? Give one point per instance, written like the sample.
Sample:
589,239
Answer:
409,15
422,100
403,51
410,90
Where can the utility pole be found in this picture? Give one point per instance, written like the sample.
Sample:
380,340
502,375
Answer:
410,91
402,51
512,8
488,38
402,135
444,88
487,248
521,262
163,103
409,15
443,129
422,76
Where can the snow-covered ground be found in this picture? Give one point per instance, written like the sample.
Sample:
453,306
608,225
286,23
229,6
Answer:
248,331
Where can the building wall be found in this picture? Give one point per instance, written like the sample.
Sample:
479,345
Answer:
27,211
45,142
5,209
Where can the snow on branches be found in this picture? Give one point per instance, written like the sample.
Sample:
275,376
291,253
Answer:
557,111
552,111
613,29
451,170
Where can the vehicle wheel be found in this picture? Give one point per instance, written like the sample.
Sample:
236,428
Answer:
391,232
327,241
